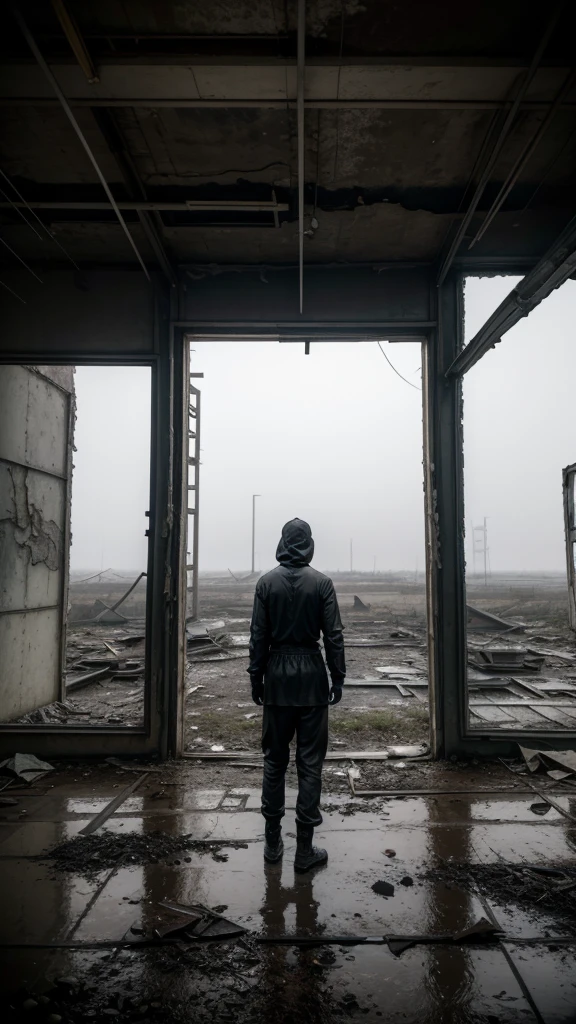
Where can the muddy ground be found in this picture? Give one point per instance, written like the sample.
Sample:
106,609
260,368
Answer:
390,632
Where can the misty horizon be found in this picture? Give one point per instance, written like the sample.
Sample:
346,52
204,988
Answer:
335,438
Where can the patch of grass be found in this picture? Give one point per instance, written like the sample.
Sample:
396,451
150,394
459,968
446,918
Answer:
401,725
381,721
221,726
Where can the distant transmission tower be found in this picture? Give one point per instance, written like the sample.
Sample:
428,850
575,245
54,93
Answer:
480,549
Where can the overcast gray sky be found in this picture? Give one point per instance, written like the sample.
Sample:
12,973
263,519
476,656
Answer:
336,438
519,428
110,483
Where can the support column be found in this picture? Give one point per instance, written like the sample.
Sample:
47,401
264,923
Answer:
444,491
175,567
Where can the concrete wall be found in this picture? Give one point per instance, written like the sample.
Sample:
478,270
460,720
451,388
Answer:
35,461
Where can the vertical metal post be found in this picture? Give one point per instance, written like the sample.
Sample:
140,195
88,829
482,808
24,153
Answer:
196,527
254,496
300,82
444,507
568,479
351,557
485,554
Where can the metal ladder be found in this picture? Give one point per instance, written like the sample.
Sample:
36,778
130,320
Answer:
193,499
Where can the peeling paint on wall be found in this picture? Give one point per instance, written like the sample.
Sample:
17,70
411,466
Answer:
39,538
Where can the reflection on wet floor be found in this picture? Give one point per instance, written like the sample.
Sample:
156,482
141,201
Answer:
94,931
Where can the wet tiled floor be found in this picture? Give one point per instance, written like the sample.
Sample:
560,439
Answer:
56,924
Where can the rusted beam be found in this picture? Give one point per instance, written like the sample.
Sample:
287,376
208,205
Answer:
550,272
74,37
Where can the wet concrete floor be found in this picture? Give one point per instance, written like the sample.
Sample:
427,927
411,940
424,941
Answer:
77,947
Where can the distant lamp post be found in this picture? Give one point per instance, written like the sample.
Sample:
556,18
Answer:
254,496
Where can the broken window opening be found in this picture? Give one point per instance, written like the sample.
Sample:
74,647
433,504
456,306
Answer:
517,429
75,483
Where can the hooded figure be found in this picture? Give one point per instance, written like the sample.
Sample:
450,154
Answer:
293,605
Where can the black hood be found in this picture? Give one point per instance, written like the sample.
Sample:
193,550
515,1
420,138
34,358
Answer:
296,546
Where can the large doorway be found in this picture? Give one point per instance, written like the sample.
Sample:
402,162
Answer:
333,437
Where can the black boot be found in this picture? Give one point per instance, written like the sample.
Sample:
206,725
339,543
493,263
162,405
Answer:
307,856
273,845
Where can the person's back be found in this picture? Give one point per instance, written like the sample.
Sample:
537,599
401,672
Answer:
293,605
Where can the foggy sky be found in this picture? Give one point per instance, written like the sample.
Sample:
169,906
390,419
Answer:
111,477
336,438
519,428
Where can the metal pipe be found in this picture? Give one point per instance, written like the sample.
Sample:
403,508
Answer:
66,108
503,135
160,102
186,207
300,82
523,159
555,267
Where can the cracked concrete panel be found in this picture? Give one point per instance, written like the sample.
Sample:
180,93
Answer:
33,421
30,664
34,466
32,511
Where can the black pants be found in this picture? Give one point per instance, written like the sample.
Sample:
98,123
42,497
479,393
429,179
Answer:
278,727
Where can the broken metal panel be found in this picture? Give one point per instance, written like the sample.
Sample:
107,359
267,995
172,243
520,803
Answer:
568,486
35,447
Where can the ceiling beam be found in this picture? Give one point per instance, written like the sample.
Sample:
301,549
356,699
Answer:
189,206
504,132
51,80
154,102
331,84
550,272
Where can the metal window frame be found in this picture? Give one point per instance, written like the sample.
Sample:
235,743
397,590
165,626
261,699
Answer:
154,735
460,738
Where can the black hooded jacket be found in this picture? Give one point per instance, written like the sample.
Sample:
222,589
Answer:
293,604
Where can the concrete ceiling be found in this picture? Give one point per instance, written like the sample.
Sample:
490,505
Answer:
196,102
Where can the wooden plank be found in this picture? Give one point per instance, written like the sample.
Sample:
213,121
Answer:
105,813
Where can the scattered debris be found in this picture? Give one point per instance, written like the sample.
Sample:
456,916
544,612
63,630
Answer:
26,767
563,760
480,621
193,922
540,807
89,855
525,885
383,888
505,659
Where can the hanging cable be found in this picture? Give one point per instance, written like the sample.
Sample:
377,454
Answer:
12,292
41,222
409,382
20,214
20,260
